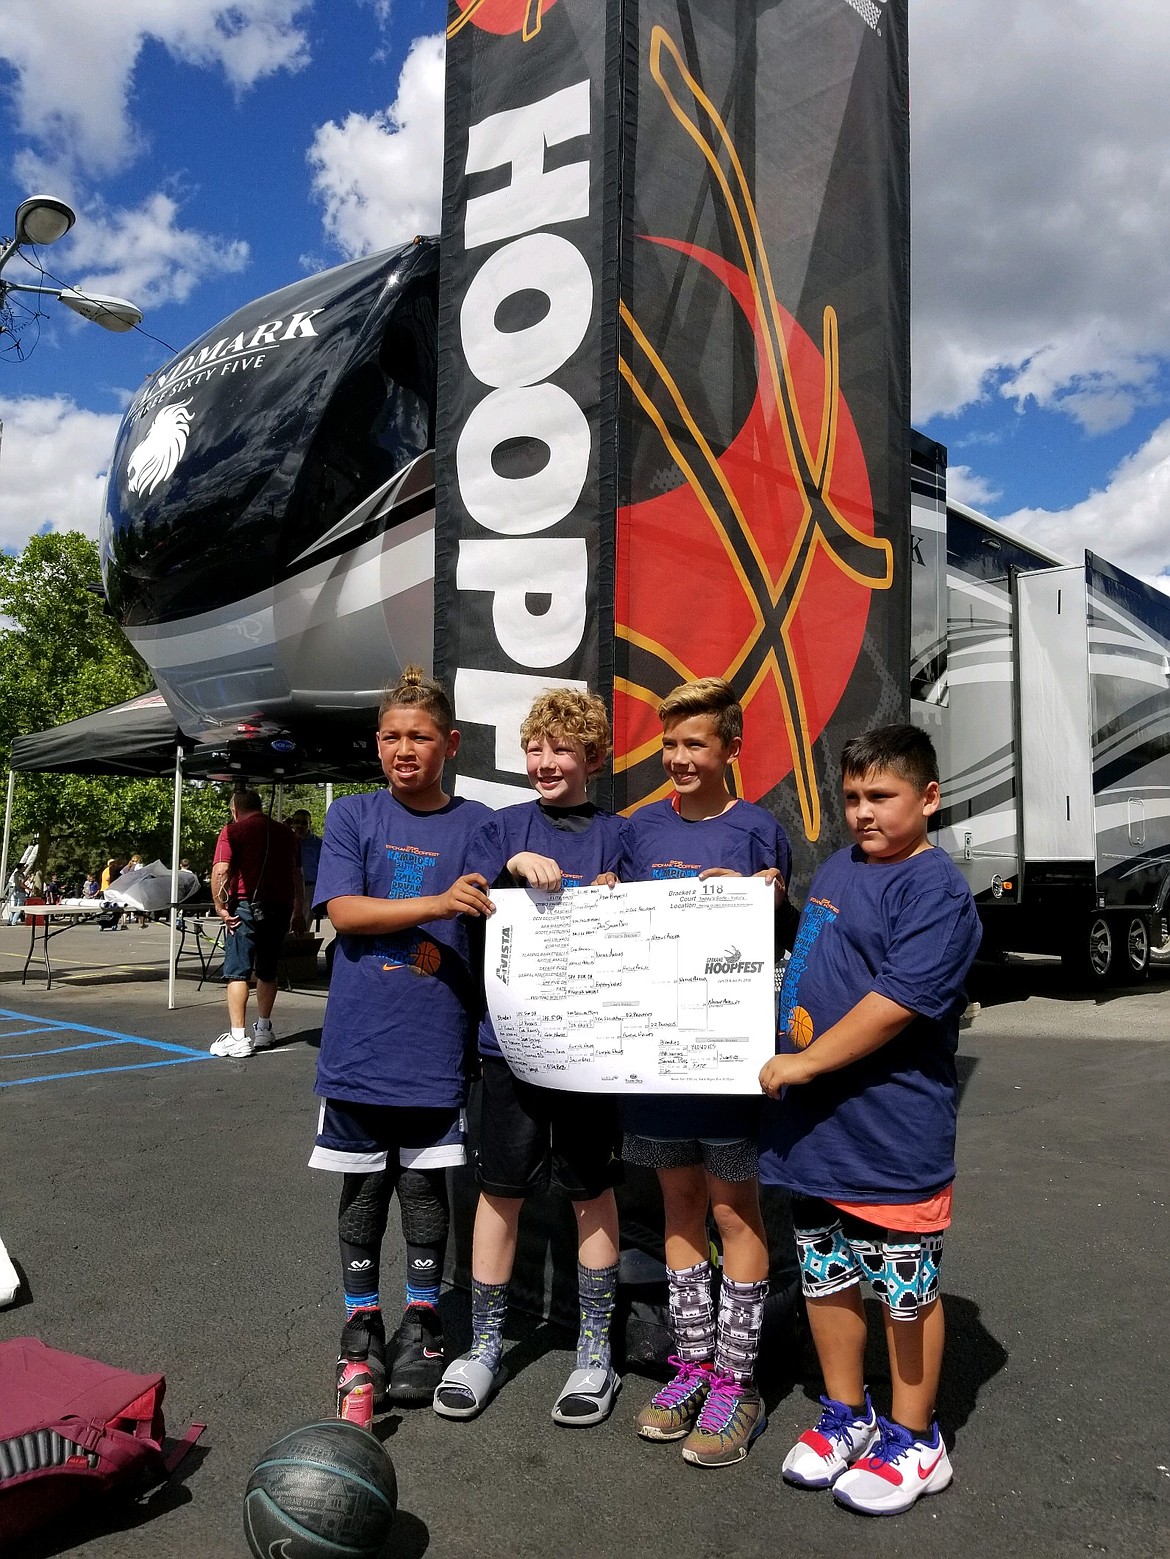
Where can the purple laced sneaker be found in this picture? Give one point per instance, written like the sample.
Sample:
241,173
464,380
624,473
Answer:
673,1411
731,1418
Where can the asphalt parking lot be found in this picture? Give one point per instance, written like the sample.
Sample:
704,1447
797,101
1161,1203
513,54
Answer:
158,1205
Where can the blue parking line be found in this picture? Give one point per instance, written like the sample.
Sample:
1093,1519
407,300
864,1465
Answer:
62,1050
139,1066
48,1028
86,1028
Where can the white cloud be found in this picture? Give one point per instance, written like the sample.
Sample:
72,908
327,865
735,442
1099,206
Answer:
53,460
143,254
1041,214
74,62
380,177
967,486
1126,522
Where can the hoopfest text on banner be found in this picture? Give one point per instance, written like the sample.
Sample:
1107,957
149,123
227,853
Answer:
526,387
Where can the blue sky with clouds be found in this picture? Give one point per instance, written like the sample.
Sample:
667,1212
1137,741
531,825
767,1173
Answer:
215,151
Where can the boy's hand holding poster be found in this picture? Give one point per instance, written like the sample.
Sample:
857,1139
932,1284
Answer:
666,986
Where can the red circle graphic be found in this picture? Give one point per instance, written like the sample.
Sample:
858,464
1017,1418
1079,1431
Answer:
504,16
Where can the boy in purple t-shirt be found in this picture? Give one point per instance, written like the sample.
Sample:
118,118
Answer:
530,1136
705,1148
403,995
864,1134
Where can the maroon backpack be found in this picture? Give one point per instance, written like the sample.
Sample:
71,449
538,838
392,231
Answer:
72,1431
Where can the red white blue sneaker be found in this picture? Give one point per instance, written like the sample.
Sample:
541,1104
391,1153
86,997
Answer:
823,1453
897,1471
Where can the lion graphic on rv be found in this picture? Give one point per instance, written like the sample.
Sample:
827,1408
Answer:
155,458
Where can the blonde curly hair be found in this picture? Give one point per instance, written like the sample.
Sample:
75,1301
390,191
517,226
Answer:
572,715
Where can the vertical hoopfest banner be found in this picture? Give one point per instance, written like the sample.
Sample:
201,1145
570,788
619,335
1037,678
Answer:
707,474
527,390
764,426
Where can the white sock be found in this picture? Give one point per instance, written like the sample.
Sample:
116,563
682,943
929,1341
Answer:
238,1034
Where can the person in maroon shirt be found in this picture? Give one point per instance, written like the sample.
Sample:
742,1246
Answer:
258,891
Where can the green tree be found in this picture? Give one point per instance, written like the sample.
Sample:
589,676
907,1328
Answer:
61,657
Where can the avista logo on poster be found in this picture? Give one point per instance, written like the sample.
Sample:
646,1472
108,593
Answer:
505,955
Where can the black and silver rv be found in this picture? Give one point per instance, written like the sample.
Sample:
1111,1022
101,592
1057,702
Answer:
1046,683
268,535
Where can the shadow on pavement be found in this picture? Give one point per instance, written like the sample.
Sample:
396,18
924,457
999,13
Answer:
972,1358
24,1293
409,1538
66,974
120,1515
310,1037
994,984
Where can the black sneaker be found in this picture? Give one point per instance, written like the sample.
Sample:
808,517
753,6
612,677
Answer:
414,1357
362,1356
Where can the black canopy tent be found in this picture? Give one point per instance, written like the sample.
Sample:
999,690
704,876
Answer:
139,737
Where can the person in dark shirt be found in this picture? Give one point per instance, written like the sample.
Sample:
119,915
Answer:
256,888
532,1137
705,1148
863,1134
301,824
403,1000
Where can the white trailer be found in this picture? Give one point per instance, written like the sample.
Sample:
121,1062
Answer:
1046,684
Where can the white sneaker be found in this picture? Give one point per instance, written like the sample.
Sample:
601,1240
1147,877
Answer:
263,1038
823,1453
225,1045
896,1472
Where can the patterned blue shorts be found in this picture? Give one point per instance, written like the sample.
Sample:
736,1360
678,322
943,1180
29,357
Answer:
837,1250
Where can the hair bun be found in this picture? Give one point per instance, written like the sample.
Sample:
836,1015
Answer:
412,676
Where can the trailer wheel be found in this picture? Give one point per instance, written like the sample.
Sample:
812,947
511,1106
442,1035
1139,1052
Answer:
1090,956
1136,963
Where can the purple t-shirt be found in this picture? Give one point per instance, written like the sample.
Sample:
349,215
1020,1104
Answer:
883,1128
747,839
583,846
401,1007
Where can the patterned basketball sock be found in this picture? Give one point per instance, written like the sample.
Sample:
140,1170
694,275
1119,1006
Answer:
741,1314
489,1306
597,1287
692,1315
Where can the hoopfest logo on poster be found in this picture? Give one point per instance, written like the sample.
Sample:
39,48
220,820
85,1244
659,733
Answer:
771,539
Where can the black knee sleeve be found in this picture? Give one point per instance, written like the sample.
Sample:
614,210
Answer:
426,1213
361,1219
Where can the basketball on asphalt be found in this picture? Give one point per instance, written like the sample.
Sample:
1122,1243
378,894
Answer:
324,1491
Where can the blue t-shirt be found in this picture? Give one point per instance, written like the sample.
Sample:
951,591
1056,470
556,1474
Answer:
883,1128
582,844
746,839
401,1007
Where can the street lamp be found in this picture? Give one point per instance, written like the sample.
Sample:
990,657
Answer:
42,219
